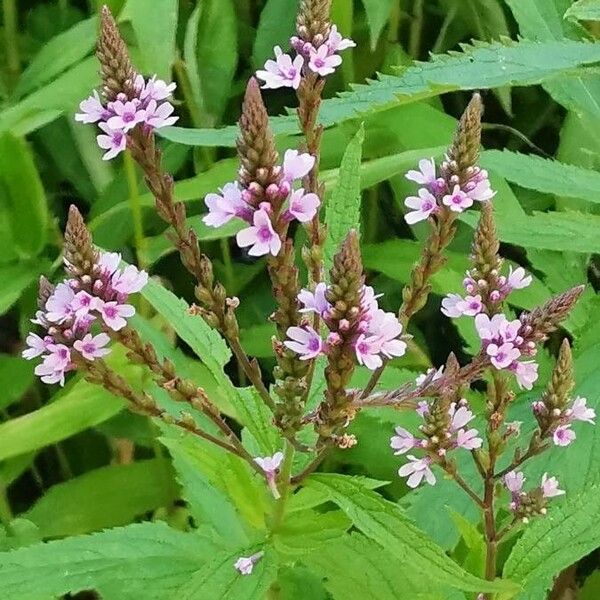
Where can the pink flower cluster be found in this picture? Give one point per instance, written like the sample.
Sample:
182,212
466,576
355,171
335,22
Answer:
438,192
562,434
149,107
261,236
377,337
70,311
286,71
458,435
514,481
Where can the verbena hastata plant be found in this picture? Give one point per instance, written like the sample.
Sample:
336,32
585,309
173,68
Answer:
332,319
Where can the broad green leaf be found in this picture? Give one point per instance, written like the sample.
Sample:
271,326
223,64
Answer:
387,524
16,277
217,56
343,209
60,53
584,10
552,543
16,376
547,176
540,19
155,31
275,27
106,497
378,12
81,406
257,419
219,579
147,560
22,190
480,66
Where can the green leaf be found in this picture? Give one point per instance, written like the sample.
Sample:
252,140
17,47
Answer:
58,54
480,66
21,188
106,497
275,27
550,544
147,560
387,524
378,13
219,578
15,278
16,376
584,10
547,176
82,405
155,32
540,19
343,209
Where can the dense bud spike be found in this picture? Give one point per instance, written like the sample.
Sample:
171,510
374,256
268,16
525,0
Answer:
78,248
486,244
557,394
313,24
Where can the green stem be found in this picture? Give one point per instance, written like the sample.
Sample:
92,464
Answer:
416,28
136,209
227,263
11,36
284,486
6,515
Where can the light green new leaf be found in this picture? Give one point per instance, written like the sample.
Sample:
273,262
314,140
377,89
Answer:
550,544
16,376
147,560
275,27
16,277
110,496
155,28
480,66
22,190
387,524
584,10
378,12
57,55
219,579
547,176
343,209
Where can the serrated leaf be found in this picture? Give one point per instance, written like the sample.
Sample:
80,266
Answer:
343,209
148,559
550,544
219,578
584,10
546,176
387,524
480,66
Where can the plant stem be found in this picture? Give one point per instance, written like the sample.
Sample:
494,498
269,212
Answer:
136,209
311,467
416,28
227,263
284,486
11,36
6,515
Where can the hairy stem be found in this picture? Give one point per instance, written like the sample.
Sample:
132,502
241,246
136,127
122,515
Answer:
141,245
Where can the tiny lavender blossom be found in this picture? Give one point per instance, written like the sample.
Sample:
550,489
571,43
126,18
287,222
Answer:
550,487
270,465
305,342
281,72
261,236
423,207
245,564
322,62
416,470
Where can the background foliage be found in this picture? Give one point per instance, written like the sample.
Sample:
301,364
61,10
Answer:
74,462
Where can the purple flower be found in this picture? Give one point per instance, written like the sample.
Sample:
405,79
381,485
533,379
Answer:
92,110
468,440
459,416
130,281
502,356
526,373
367,351
55,364
498,328
36,346
422,408
281,72
450,306
386,328
270,464
517,279
58,305
563,435
420,380
82,303
514,481
109,262
457,201
424,206
154,89
126,115
322,62
416,470
115,314
93,347
305,342
314,302
225,206
336,42
580,411
303,206
159,115
426,173
245,564
403,441
550,487
115,141
368,300
478,188
297,165
261,236
470,306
